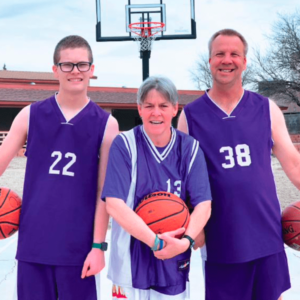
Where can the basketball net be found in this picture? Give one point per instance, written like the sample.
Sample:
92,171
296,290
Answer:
145,33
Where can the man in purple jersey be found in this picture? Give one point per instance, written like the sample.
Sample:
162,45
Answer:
238,130
63,224
150,158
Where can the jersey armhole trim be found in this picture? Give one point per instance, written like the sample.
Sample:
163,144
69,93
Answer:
28,125
130,143
123,136
193,154
104,132
187,124
270,119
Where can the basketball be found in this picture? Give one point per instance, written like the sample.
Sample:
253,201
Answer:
10,209
163,211
291,225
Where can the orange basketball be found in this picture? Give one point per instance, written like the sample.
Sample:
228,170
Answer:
10,209
163,211
291,225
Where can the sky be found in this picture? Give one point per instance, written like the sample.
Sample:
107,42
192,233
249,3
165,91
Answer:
30,30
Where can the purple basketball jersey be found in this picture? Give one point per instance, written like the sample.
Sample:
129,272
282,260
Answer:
246,222
57,217
136,168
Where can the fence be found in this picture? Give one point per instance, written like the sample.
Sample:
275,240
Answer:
3,135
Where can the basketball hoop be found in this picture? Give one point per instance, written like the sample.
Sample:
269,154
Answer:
145,33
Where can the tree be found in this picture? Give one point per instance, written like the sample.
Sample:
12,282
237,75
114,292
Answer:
278,71
201,75
4,67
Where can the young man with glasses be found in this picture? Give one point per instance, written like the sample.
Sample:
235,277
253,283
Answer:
63,223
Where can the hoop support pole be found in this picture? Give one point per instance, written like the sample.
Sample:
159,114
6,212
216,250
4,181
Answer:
145,56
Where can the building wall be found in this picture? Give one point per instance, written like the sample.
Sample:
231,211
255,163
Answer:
127,118
296,141
293,122
7,116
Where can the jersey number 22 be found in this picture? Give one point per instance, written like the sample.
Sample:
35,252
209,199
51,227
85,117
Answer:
65,169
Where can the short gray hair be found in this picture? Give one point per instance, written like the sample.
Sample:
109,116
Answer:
161,84
228,32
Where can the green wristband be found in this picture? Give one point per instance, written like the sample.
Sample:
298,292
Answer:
101,246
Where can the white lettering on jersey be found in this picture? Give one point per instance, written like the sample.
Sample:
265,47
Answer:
59,155
65,171
228,157
242,156
177,187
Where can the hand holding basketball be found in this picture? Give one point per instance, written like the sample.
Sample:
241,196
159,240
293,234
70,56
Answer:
10,209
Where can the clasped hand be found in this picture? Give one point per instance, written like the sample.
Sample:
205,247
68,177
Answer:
172,245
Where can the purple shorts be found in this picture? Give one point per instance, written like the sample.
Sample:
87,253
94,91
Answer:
260,279
47,282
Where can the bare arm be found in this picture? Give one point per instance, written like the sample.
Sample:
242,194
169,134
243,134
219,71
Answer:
15,139
283,148
101,216
130,221
201,218
182,124
95,262
198,220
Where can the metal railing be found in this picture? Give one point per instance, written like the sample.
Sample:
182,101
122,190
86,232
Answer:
3,135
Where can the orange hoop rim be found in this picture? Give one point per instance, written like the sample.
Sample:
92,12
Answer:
158,26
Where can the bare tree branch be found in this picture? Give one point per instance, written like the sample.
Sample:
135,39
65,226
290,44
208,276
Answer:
278,72
201,74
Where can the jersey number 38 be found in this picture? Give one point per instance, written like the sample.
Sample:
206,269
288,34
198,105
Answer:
239,154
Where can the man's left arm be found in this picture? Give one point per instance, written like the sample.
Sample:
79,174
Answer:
95,260
283,148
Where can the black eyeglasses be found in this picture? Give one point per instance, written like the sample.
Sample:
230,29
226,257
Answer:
81,66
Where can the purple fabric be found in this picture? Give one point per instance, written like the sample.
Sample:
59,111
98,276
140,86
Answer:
153,175
57,217
46,282
261,279
246,221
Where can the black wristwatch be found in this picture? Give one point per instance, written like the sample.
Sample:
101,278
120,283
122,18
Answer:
102,246
192,242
